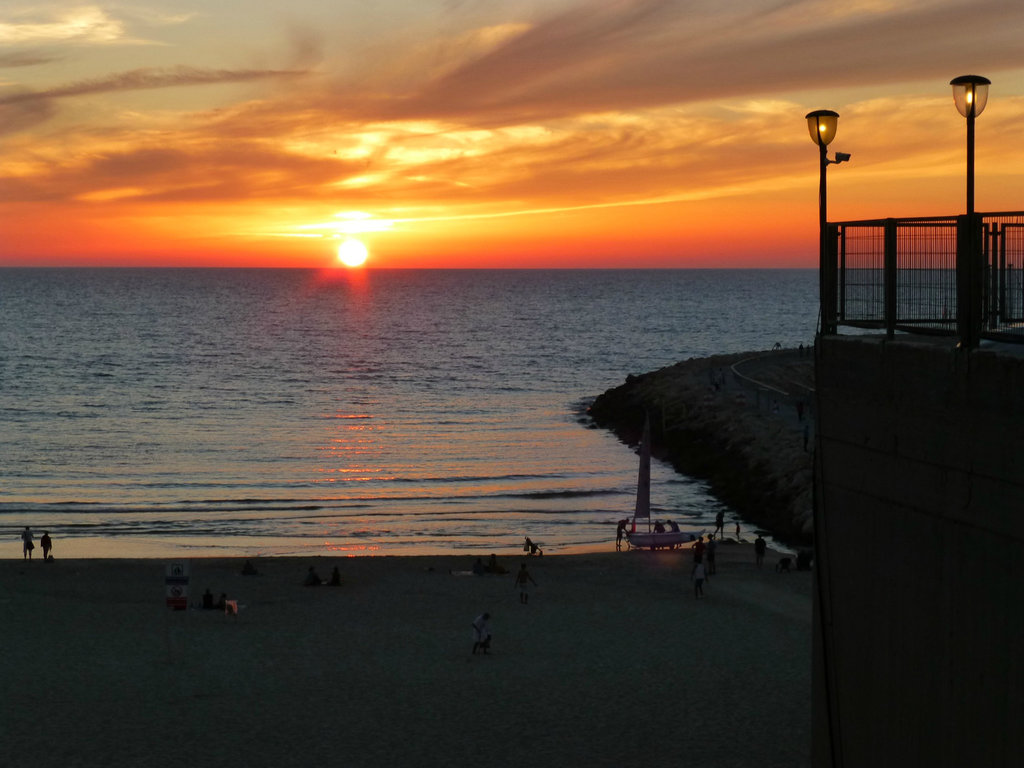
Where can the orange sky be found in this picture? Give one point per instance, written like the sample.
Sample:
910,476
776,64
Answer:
488,133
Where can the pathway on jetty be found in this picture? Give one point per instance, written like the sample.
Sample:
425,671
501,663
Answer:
744,422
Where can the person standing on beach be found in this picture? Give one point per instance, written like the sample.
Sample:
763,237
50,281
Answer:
760,545
26,543
698,549
720,523
481,633
523,581
709,554
47,544
697,576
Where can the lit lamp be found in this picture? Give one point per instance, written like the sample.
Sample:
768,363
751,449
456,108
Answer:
970,94
822,124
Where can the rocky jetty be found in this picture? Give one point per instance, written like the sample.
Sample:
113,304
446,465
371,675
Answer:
743,422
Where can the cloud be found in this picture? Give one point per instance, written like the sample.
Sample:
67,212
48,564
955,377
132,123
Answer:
148,79
87,23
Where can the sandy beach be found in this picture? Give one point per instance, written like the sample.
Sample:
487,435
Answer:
613,662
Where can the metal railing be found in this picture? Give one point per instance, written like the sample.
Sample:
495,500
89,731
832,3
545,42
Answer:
951,275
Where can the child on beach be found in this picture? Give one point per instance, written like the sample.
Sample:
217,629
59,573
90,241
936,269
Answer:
523,581
481,633
698,575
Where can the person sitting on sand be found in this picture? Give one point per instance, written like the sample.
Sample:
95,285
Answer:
312,580
249,569
478,567
493,567
335,578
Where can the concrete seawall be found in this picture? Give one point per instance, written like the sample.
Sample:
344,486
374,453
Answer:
743,422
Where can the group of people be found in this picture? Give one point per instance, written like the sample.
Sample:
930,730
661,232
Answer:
313,579
481,625
28,544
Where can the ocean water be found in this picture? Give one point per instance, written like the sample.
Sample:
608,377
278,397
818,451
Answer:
224,412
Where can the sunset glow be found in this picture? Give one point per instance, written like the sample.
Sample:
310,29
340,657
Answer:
576,133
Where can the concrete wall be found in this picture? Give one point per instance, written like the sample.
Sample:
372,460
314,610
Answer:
919,647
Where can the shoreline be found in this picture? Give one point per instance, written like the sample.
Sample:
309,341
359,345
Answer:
379,670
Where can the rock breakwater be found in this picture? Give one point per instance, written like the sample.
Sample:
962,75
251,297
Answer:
743,422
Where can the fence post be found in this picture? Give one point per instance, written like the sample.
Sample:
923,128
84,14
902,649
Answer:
889,276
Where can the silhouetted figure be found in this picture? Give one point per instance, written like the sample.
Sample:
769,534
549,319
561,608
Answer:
672,526
709,555
478,567
720,523
47,544
620,531
530,548
523,580
493,567
335,578
312,580
760,545
659,527
207,600
249,569
26,543
698,549
697,575
481,633
803,560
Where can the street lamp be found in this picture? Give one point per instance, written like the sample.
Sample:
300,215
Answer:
970,94
822,124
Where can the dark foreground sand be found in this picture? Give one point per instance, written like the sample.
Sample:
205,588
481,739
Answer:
613,663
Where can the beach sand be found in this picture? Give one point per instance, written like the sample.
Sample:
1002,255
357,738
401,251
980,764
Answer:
612,663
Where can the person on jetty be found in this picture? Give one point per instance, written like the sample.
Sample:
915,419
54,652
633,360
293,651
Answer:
523,581
481,633
26,543
47,544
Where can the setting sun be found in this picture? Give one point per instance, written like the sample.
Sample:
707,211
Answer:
352,253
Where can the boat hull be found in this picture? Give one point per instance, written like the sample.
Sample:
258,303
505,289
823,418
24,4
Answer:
666,540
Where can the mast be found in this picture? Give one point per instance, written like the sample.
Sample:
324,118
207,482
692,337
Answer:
643,480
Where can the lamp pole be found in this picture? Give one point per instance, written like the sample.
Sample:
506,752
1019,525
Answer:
822,124
970,94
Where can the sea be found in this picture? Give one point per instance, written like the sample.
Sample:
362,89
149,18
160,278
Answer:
288,412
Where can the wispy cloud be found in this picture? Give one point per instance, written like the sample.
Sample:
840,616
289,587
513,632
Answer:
86,23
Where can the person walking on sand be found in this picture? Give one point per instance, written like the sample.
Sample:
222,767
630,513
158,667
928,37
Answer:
26,543
523,581
481,633
760,545
709,554
720,523
47,544
697,576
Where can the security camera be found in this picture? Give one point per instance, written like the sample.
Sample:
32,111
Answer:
842,157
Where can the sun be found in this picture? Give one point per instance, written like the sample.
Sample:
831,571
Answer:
352,252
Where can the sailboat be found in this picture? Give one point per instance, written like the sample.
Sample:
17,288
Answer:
654,539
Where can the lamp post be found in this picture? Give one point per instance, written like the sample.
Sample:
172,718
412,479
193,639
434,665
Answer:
970,94
822,124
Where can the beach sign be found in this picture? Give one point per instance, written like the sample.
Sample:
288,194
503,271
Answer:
176,582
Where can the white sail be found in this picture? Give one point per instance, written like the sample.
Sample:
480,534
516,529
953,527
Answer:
643,480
